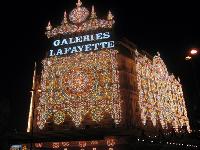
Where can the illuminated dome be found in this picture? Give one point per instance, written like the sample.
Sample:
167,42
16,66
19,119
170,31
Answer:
79,14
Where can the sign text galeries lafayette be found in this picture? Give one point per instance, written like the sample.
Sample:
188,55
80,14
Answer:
83,43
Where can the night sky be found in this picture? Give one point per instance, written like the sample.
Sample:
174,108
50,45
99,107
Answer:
172,29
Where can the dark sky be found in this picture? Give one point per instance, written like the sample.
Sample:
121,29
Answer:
168,27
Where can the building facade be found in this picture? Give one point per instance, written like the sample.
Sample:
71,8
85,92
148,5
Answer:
89,81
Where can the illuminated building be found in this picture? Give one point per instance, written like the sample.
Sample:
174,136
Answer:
91,81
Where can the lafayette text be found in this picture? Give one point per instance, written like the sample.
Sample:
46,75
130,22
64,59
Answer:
98,41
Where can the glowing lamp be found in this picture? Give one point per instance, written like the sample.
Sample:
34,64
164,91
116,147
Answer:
193,51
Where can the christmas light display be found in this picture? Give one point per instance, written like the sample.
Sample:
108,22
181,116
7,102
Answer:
86,83
79,14
160,94
81,84
55,145
110,142
38,145
94,142
82,144
65,144
80,23
24,147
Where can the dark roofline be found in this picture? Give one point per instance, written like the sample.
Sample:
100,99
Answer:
132,47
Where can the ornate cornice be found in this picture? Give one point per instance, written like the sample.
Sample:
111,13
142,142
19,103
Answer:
79,21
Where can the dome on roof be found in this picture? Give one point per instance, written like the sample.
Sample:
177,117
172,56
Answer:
78,14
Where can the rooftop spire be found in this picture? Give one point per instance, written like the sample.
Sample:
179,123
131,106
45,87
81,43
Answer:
49,27
110,16
79,3
136,52
64,18
158,54
93,13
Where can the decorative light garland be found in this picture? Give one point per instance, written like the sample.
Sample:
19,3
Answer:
55,145
65,144
82,144
80,23
79,14
81,84
38,145
160,94
24,147
168,143
110,143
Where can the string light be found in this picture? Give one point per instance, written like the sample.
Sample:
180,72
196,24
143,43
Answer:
24,147
79,85
94,142
79,14
55,145
160,94
84,84
38,145
168,143
79,90
65,144
78,17
110,142
82,144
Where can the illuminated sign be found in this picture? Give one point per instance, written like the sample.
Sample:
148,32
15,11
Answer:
16,147
82,43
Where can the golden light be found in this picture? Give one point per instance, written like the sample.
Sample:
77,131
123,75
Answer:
38,145
160,95
78,87
193,51
30,115
56,145
65,144
82,144
110,142
24,147
77,16
88,84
